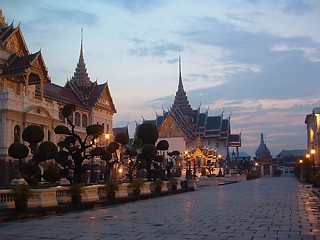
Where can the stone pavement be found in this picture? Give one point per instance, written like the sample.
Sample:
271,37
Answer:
265,208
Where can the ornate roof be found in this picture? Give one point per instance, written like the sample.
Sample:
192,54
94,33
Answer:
89,93
181,100
193,123
262,150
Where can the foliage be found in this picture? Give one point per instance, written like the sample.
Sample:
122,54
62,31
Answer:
112,186
33,134
148,154
317,181
74,150
122,138
163,145
76,188
61,129
47,150
18,150
30,172
253,175
67,110
136,183
51,175
21,192
158,182
147,133
173,181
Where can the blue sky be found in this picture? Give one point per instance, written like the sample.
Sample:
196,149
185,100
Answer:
256,60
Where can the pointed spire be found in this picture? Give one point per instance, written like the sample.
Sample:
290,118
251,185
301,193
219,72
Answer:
81,59
2,20
80,81
262,140
181,100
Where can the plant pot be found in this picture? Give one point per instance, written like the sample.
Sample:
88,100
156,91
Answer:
21,205
136,191
111,195
172,187
76,199
155,188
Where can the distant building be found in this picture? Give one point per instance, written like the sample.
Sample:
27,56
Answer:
288,159
188,129
27,96
264,159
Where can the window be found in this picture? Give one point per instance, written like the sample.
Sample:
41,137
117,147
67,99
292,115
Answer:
84,121
77,119
49,135
17,134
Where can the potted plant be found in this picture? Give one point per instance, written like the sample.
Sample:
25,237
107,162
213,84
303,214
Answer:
21,194
156,185
111,188
75,190
172,184
134,187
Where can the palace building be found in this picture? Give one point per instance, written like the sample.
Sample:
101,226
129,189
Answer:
191,130
27,96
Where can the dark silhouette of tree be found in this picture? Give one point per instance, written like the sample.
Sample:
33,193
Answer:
33,134
147,133
74,148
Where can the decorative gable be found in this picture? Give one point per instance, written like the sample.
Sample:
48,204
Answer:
170,128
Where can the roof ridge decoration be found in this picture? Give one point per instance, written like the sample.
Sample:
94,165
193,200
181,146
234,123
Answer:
181,100
80,83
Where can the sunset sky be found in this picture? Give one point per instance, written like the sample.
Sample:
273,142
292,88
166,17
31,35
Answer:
256,60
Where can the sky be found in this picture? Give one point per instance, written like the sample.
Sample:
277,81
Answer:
258,61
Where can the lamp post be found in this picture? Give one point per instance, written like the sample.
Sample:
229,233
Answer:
313,152
301,172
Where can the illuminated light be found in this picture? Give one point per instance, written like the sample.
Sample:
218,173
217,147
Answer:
256,164
307,155
107,136
120,170
300,161
313,151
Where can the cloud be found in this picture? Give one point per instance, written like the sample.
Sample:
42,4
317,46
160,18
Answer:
138,6
155,50
310,53
297,7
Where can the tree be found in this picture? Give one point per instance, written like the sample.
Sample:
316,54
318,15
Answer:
76,148
147,133
148,154
33,134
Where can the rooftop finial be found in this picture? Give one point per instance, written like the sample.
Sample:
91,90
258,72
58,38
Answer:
180,78
2,20
81,50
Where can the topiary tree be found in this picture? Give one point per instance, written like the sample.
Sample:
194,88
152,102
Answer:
147,133
33,134
148,154
74,147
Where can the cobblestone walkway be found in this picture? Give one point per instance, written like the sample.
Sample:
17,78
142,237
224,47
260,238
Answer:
266,208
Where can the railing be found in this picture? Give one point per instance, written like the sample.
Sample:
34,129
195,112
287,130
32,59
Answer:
58,195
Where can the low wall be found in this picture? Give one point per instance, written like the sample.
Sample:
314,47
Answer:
50,197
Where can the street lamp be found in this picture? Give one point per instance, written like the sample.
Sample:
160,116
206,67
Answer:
313,152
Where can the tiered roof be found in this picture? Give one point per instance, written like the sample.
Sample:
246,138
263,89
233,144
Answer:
16,60
195,123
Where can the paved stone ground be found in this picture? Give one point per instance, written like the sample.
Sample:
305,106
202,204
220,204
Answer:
266,208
